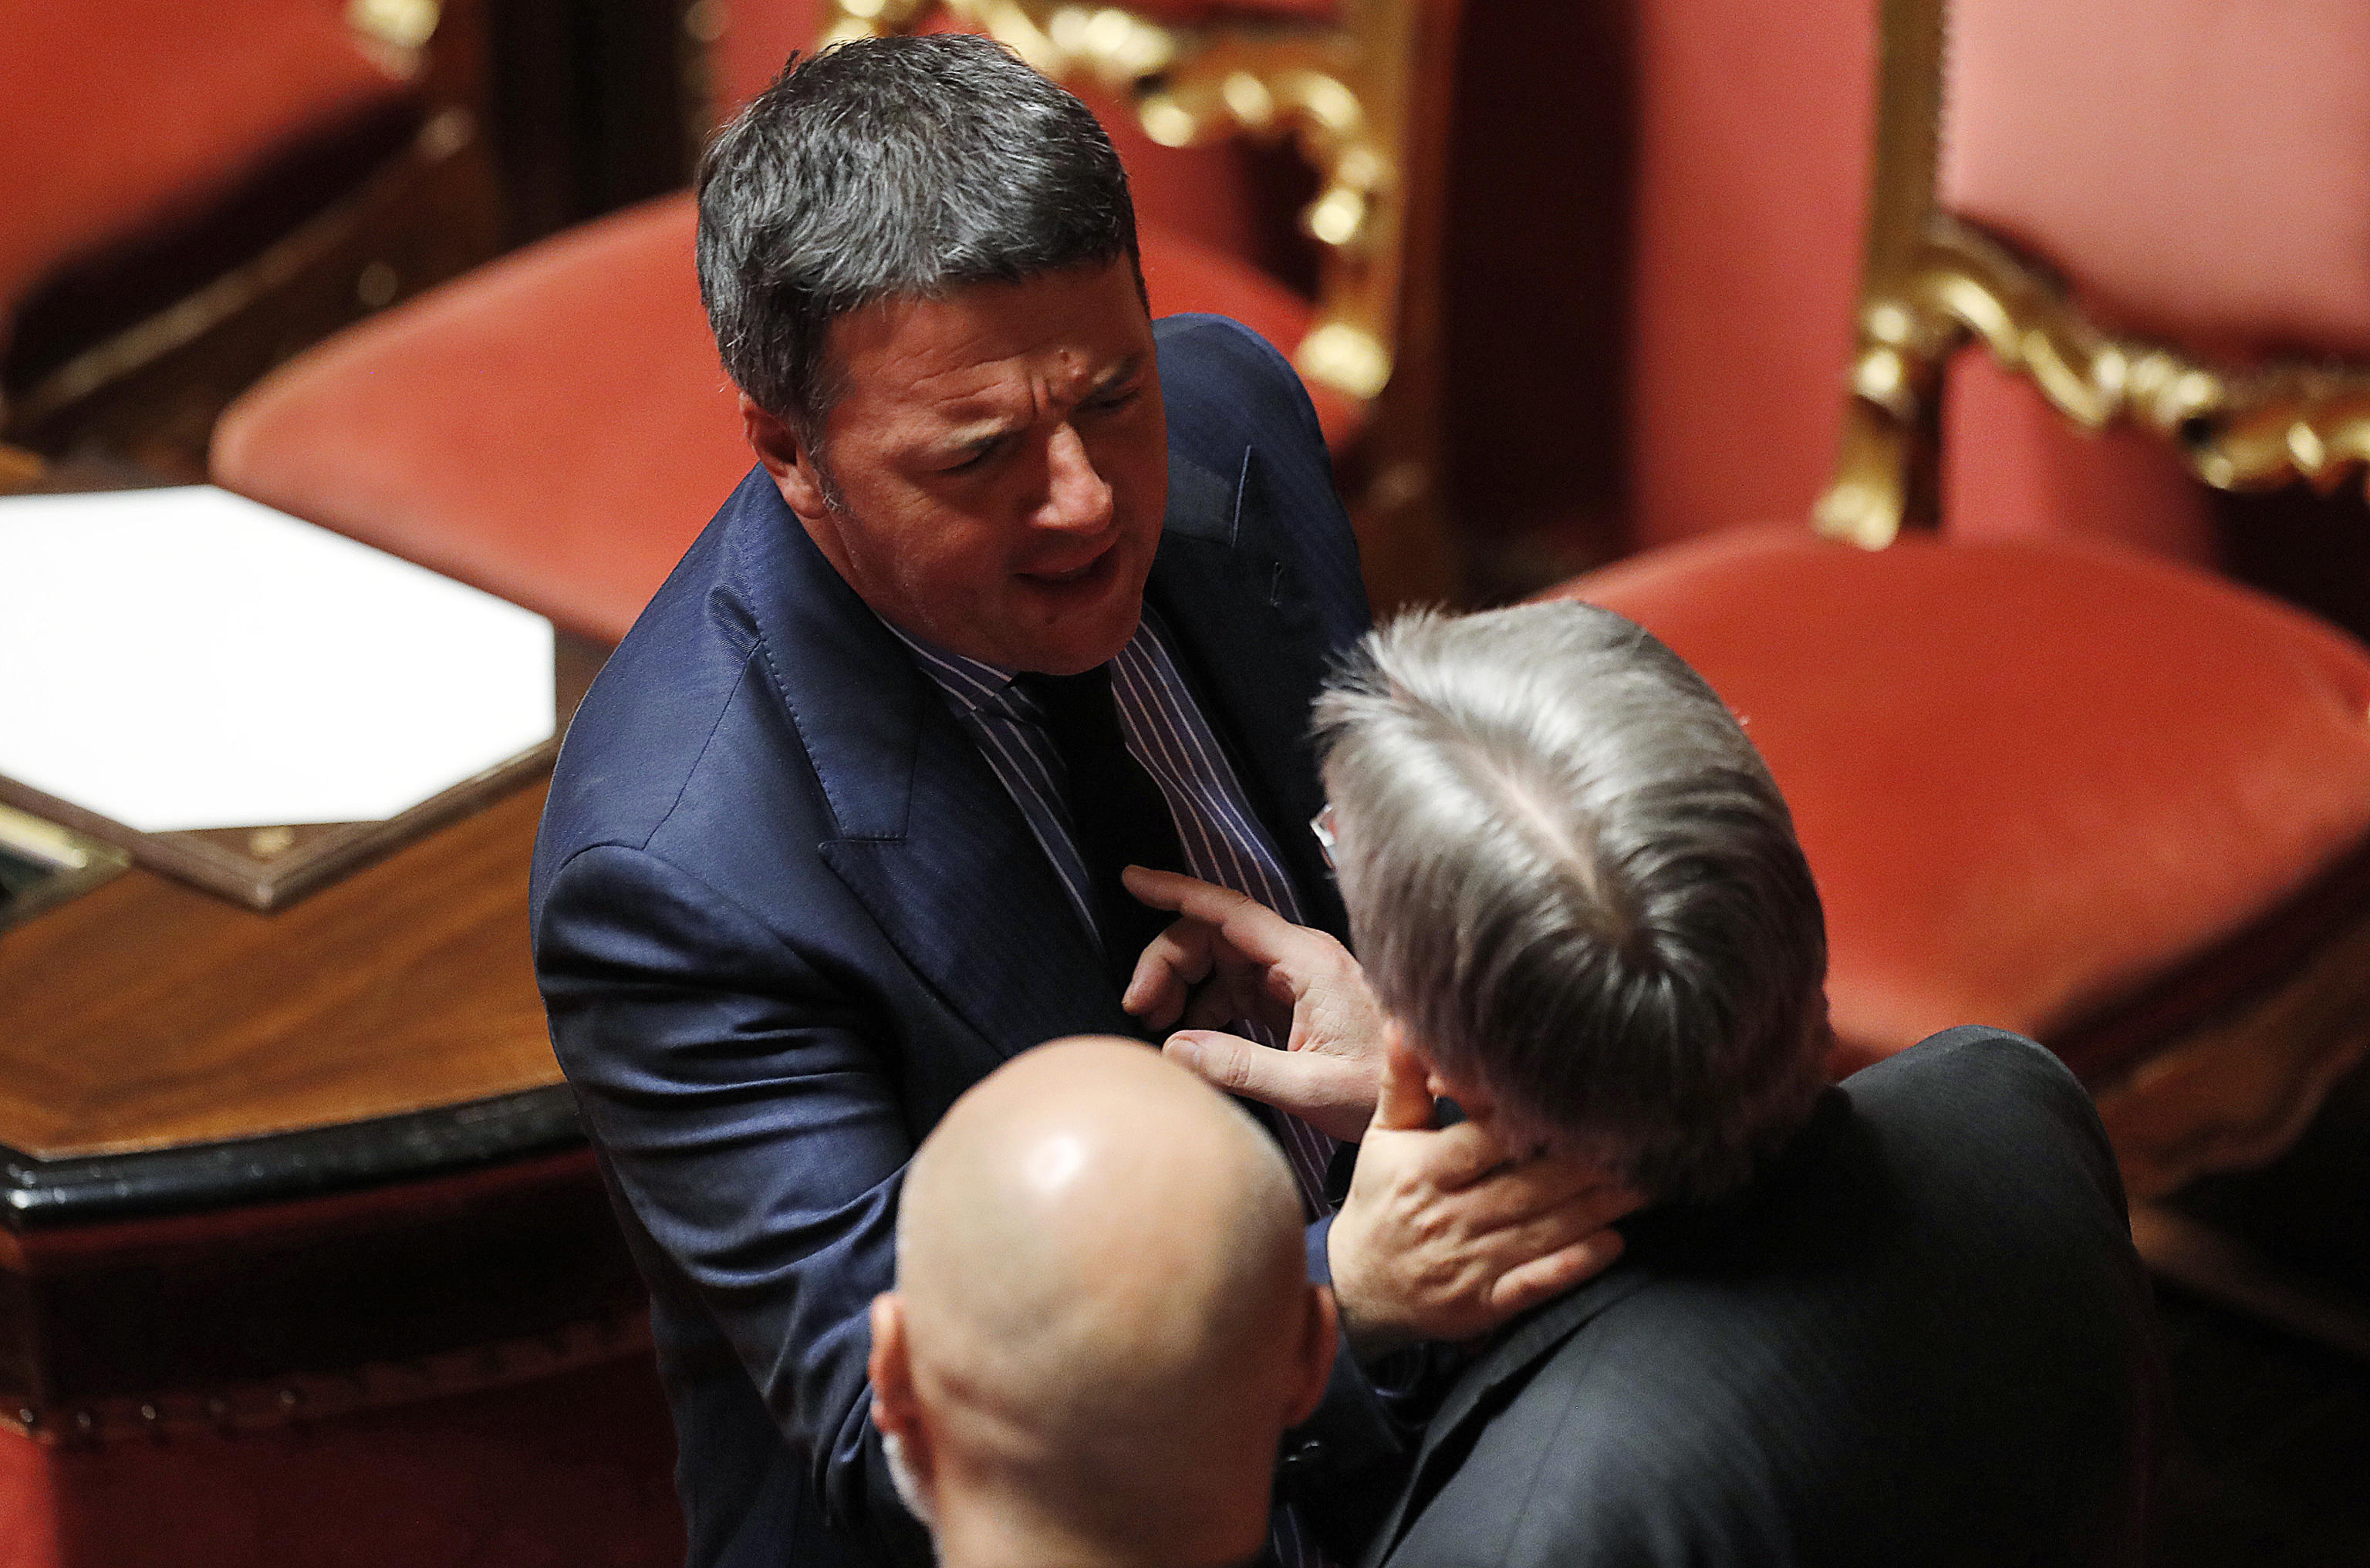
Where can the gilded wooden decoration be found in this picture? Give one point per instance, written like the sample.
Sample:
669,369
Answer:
2236,1093
398,24
1336,90
1932,283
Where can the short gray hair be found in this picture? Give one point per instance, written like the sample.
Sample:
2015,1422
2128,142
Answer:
890,166
1573,878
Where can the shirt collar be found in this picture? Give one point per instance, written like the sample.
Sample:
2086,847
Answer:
970,684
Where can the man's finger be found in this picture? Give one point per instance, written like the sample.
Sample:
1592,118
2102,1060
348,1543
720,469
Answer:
1309,1087
1212,1007
1332,1096
1170,965
1511,1246
1248,926
1181,894
1522,1288
1223,1061
1452,1159
1516,1195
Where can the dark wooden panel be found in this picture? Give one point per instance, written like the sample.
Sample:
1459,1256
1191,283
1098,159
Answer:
587,106
408,1289
1535,277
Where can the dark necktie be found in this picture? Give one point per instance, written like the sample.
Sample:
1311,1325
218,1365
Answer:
1120,819
1119,814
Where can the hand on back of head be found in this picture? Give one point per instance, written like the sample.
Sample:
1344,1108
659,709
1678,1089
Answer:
1446,1234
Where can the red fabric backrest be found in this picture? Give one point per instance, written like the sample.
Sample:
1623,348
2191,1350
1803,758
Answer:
2199,170
116,113
1753,125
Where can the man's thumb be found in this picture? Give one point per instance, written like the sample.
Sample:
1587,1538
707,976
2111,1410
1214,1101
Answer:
1222,1060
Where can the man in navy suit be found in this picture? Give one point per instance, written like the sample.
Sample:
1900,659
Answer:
1024,588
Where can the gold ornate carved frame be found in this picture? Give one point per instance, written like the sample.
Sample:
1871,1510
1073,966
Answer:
1931,284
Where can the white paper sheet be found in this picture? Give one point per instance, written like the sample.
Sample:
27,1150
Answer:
186,658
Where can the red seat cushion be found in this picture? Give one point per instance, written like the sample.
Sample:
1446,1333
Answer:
2032,777
555,428
119,112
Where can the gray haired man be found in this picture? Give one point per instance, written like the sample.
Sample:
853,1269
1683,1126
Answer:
1893,1321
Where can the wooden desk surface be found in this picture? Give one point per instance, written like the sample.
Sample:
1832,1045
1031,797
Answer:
269,1167
146,1015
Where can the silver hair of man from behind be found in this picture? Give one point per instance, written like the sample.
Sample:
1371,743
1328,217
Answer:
1573,880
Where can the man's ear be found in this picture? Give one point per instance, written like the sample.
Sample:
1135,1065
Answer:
897,1412
1473,1099
893,1407
784,457
1396,1039
1312,1361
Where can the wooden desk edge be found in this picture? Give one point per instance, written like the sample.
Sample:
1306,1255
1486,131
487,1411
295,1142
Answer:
37,1194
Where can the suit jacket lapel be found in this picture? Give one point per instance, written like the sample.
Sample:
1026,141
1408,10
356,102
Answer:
1482,1393
1249,628
927,839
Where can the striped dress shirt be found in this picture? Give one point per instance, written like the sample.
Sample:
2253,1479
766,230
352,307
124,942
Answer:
1223,840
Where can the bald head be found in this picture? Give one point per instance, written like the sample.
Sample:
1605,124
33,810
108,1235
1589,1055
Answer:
1102,1320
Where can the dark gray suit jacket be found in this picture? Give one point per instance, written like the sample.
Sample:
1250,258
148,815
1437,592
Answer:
1922,1337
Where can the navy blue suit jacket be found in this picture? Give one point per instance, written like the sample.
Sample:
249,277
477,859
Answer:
1921,1336
784,914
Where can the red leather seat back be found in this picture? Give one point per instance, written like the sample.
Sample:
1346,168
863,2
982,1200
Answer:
2200,174
1747,263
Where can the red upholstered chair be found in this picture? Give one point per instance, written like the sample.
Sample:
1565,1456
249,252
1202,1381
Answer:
2062,785
555,428
175,172
1747,258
